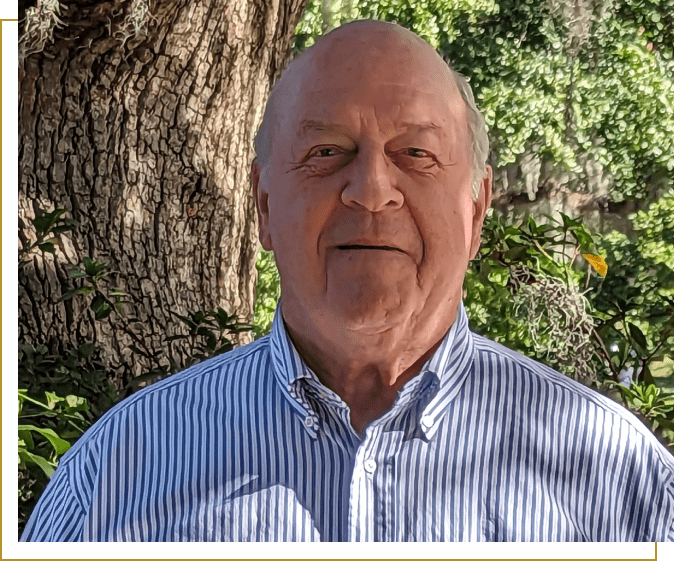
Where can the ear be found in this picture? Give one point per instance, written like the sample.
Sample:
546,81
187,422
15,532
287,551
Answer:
261,205
480,207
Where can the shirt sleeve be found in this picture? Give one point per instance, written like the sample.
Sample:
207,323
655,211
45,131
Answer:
58,516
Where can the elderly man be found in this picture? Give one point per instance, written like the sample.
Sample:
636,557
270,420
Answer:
370,412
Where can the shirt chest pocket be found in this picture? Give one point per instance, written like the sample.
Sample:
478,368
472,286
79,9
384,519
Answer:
270,514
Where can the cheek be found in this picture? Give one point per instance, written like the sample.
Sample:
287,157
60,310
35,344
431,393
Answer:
446,233
297,221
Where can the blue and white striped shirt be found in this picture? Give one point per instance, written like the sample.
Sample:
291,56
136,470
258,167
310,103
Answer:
484,444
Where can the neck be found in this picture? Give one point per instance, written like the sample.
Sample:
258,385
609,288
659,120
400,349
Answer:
366,371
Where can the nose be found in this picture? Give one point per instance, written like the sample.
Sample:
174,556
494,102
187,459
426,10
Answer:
371,185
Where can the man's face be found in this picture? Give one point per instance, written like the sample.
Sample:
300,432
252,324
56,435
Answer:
366,201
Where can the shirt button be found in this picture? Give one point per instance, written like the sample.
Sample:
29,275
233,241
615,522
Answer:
427,421
309,421
370,466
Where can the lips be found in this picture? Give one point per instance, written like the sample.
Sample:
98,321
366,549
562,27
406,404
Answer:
363,246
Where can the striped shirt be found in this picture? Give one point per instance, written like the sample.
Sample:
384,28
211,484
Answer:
484,444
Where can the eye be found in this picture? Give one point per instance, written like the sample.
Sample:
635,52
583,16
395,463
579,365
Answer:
416,153
322,152
422,159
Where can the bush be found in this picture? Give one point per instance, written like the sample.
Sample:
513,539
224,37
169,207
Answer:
61,394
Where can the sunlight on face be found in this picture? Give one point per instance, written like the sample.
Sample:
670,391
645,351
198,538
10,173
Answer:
369,198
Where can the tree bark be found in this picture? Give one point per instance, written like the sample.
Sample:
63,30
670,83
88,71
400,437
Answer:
140,126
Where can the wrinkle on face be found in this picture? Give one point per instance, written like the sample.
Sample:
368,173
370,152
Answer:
358,93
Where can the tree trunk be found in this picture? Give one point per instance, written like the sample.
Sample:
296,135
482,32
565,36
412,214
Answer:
138,120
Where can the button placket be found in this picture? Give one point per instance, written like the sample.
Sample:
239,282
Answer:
362,505
427,421
370,465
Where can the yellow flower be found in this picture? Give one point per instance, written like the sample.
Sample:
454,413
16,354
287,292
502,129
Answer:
597,262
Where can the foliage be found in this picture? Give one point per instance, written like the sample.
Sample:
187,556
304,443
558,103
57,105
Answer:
651,402
267,292
64,391
599,331
208,336
66,413
47,428
61,419
74,371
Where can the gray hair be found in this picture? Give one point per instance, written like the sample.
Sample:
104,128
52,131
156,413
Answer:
477,131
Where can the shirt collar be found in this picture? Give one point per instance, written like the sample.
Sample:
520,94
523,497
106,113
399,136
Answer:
449,365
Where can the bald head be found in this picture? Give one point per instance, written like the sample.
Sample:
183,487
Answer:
374,43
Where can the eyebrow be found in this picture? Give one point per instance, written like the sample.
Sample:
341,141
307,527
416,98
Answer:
308,125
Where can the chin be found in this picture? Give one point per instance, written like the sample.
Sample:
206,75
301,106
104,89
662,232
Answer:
370,315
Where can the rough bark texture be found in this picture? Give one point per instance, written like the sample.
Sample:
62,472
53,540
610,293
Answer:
146,138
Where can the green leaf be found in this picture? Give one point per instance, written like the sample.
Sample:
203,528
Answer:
27,439
76,273
89,267
638,337
646,375
60,446
175,338
515,253
499,275
97,302
569,222
204,331
86,349
47,247
68,295
52,399
43,223
29,458
76,403
63,228
584,238
103,312
187,321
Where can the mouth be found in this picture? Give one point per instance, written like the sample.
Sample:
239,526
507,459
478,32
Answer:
376,247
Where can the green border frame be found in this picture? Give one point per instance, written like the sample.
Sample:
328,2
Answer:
11,549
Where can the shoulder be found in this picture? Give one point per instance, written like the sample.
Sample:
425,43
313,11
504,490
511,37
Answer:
207,378
571,397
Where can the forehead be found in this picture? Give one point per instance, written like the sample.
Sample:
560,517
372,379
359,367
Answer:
367,77
398,99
